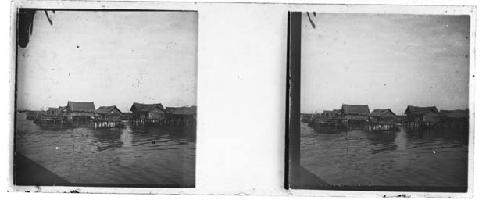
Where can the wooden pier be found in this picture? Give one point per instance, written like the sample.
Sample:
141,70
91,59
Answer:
382,126
166,122
106,124
52,121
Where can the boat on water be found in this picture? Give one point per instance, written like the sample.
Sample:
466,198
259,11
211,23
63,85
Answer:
327,125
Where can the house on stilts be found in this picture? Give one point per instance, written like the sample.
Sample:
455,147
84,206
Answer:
52,117
143,114
107,117
421,117
74,113
355,116
383,120
80,112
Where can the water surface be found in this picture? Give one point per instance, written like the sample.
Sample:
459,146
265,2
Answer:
424,158
129,155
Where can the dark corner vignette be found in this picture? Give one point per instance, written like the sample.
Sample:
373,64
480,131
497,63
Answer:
28,172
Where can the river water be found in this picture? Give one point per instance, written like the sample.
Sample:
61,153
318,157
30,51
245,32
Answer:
111,155
428,158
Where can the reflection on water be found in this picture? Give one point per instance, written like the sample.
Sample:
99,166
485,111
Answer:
431,158
108,138
128,155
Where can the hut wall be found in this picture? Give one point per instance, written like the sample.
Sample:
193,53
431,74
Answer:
383,119
154,115
109,117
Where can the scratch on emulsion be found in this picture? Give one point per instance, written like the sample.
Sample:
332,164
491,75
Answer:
311,20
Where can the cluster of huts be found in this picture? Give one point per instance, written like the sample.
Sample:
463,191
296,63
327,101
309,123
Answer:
143,114
85,113
350,117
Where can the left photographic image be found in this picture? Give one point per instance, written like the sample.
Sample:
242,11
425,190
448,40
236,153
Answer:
105,98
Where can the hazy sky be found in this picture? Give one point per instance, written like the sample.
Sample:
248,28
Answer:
384,61
111,58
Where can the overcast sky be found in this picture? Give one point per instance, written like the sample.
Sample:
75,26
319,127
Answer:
384,61
110,58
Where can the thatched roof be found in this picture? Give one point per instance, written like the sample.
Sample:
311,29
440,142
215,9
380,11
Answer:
415,110
139,107
87,107
181,110
107,109
355,109
454,113
382,112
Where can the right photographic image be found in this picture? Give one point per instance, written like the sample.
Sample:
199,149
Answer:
379,102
